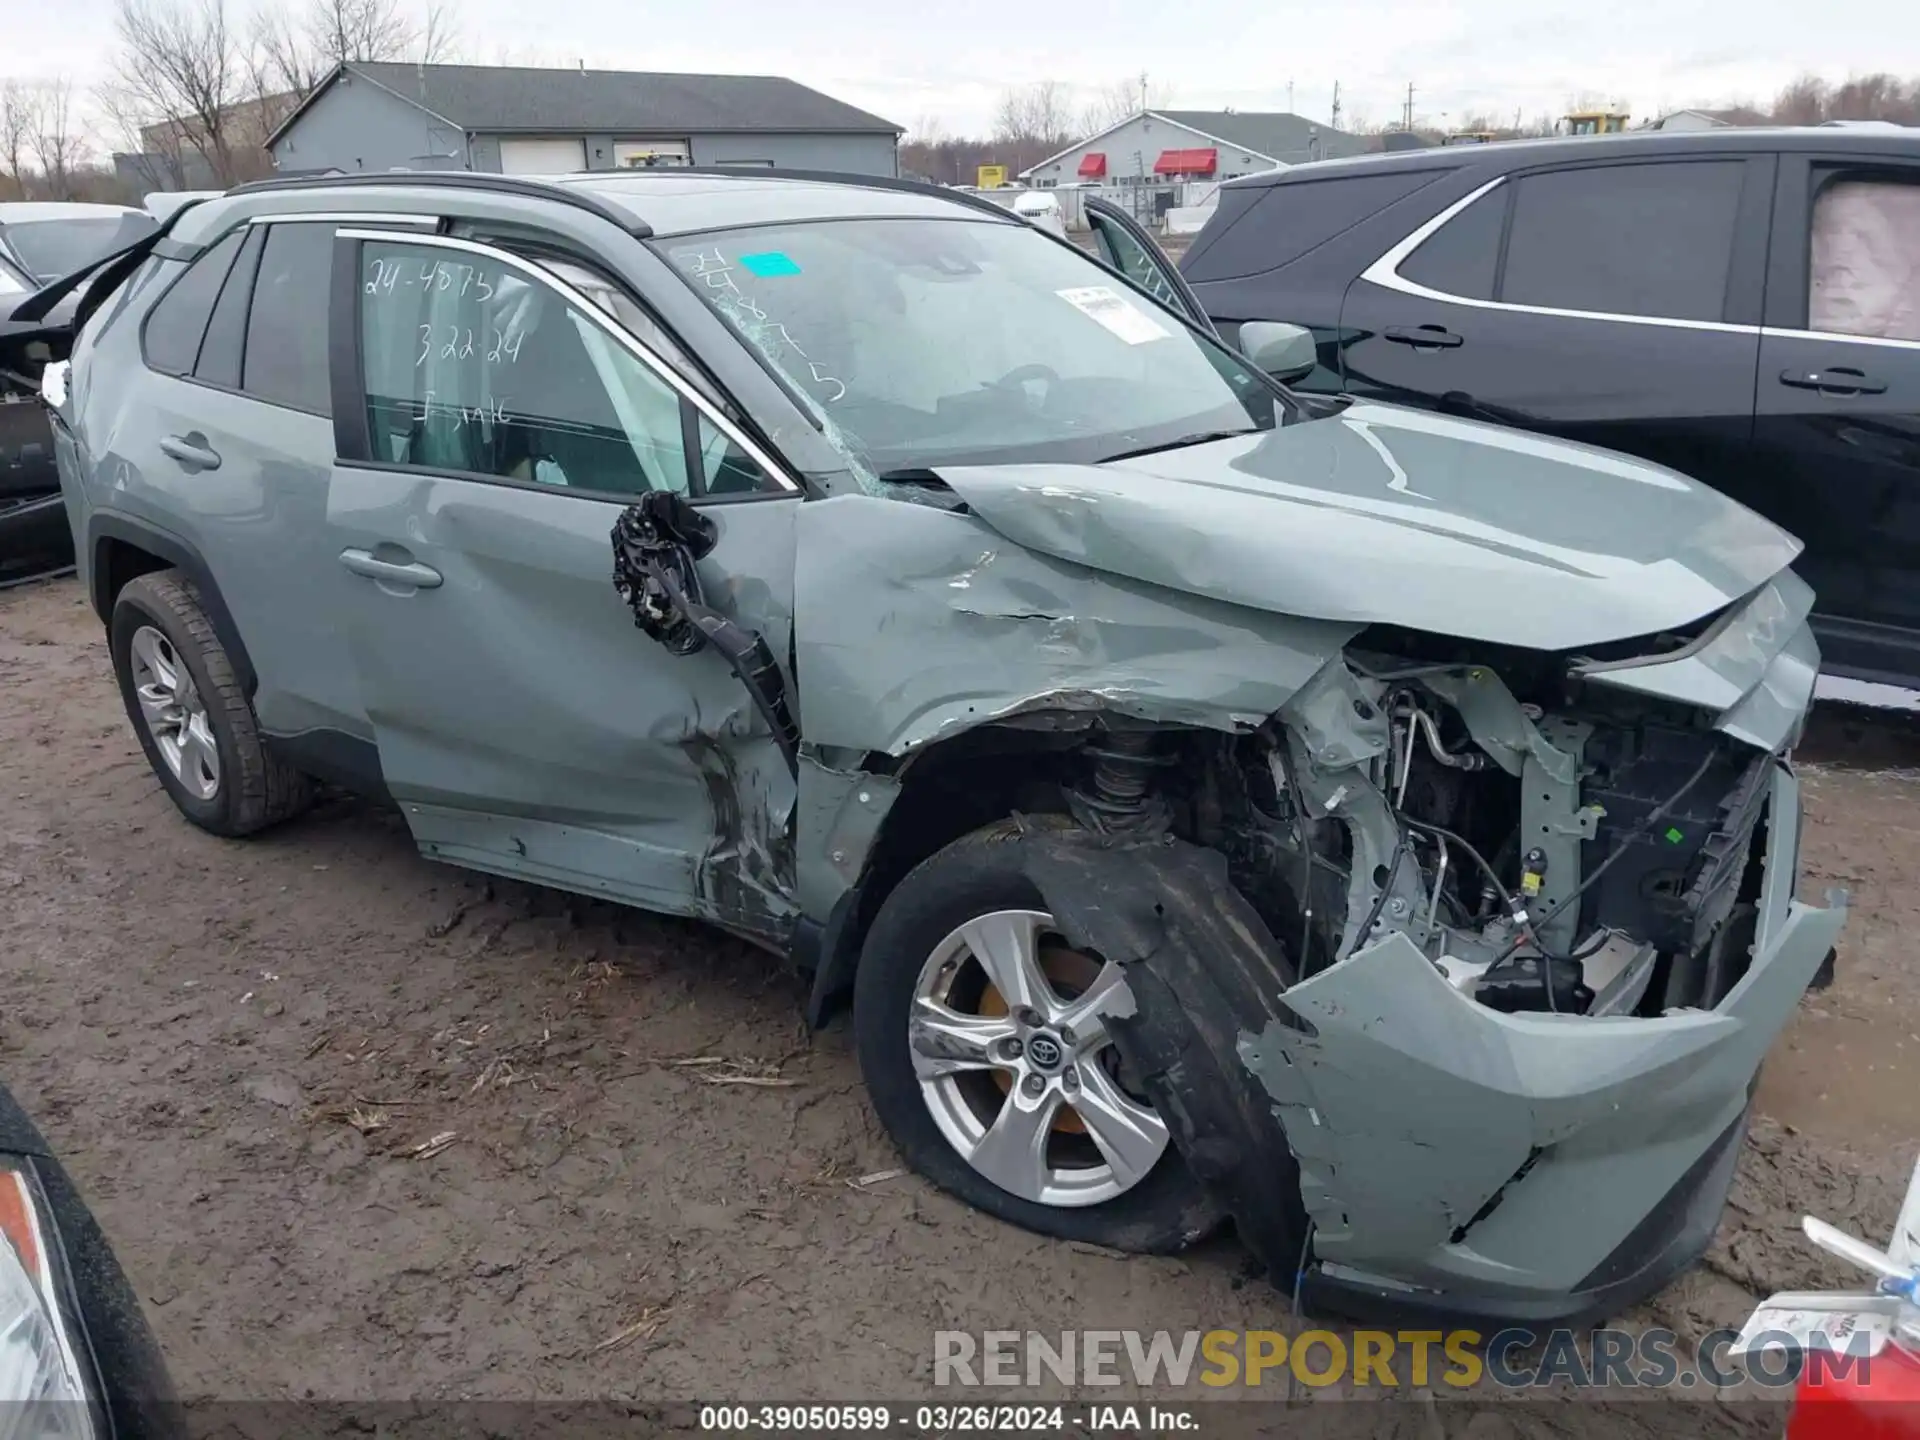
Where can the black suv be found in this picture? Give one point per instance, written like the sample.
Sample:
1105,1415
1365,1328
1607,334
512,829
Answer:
1741,305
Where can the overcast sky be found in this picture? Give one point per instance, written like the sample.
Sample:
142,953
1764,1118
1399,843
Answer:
913,63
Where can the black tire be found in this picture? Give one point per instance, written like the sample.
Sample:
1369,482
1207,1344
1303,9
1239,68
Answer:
975,875
255,789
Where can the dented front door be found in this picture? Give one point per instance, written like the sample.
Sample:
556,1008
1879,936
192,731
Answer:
524,724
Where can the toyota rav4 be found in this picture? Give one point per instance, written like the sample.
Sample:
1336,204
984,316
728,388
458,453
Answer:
1370,825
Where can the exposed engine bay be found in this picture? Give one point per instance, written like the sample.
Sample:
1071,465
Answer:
1549,845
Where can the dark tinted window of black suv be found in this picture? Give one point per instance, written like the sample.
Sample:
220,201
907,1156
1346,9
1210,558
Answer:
287,328
1285,221
1461,256
171,337
1653,239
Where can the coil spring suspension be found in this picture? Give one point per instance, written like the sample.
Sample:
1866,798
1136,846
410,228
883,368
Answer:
1119,798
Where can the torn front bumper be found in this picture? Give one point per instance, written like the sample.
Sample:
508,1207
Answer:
1468,1163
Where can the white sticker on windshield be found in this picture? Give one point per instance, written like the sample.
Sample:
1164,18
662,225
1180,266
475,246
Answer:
1117,313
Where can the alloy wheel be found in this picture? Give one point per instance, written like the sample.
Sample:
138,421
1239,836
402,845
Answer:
1009,1040
174,713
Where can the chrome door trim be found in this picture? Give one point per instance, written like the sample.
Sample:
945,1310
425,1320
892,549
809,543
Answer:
1779,332
1385,272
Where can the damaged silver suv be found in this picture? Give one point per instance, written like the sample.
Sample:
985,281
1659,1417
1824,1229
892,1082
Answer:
1366,825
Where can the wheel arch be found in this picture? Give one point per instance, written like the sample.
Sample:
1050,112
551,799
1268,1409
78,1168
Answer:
946,790
121,548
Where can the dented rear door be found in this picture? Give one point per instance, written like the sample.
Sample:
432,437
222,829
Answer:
500,423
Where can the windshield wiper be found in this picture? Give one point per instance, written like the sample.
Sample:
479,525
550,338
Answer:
1198,437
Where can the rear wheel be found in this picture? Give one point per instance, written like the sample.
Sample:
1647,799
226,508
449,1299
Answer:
192,715
982,1034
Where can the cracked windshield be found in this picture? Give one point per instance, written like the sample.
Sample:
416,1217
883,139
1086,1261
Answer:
894,331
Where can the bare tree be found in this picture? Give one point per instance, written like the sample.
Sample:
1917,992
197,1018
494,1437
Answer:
343,30
292,51
155,154
180,62
13,132
1110,105
54,139
1122,100
529,55
1032,122
437,39
1034,112
279,60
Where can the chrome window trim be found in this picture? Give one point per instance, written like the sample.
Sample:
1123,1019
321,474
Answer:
1385,272
1782,332
618,332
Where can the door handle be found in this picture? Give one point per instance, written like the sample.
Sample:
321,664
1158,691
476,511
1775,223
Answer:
390,572
1426,337
1841,380
191,450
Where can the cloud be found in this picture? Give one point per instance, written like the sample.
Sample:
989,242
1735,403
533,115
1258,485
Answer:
908,62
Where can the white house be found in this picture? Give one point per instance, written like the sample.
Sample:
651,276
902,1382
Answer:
1708,119
1162,146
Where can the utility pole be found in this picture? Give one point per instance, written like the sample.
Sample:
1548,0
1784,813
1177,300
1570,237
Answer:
1336,104
1143,92
1408,123
1290,97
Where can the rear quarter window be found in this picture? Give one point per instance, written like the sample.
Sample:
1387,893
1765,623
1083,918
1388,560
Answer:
1273,225
170,339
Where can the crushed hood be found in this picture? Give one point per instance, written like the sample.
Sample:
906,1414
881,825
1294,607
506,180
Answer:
1382,515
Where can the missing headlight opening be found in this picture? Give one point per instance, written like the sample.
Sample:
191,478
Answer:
1558,849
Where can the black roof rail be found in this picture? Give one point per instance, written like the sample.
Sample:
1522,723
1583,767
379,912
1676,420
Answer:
458,180
823,177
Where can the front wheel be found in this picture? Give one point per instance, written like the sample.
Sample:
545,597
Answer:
982,1034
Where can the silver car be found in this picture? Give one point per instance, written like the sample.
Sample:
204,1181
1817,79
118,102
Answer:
1369,825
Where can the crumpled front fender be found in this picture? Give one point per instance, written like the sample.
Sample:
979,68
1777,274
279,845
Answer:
920,623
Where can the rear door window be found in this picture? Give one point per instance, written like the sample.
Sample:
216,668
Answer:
1864,263
1648,239
170,339
286,357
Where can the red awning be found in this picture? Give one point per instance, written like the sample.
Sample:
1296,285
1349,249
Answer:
1093,166
1186,162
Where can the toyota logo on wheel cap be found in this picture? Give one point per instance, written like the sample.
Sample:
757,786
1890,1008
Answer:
1044,1051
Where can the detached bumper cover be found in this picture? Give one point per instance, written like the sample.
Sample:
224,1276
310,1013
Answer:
1453,1160
1527,1167
34,535
26,449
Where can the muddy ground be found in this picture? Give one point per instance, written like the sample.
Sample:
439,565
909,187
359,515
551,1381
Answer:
364,1126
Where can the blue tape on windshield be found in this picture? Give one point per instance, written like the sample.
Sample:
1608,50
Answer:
770,262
